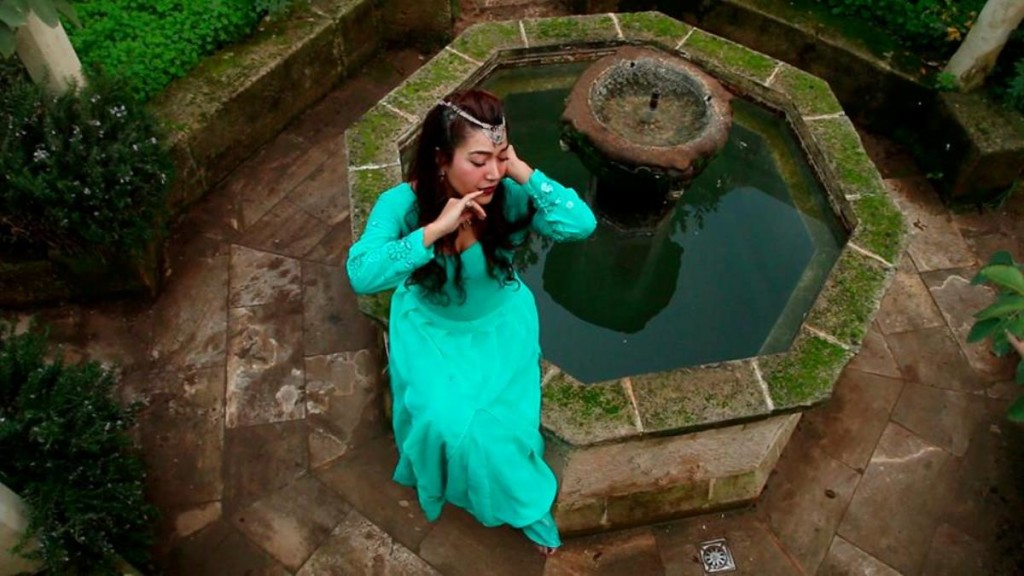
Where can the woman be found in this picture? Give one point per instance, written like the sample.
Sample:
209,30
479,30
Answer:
464,336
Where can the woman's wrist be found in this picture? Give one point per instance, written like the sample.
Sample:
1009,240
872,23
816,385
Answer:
430,234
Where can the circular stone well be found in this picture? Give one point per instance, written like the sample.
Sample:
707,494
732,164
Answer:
644,111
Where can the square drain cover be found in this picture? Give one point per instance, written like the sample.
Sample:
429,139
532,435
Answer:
716,557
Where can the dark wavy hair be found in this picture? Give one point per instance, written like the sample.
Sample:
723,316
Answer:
440,135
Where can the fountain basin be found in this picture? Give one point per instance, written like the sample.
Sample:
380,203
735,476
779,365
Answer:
647,113
650,446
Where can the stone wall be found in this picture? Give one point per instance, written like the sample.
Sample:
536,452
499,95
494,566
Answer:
12,526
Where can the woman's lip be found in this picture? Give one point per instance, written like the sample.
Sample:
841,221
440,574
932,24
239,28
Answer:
488,191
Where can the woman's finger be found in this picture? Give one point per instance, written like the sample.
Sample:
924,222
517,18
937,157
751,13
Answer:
477,209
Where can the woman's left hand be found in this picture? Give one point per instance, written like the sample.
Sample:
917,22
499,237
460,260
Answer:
515,168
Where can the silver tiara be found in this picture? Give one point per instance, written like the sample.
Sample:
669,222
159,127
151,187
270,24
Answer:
496,132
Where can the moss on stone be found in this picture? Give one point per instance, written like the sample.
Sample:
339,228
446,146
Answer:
811,95
804,375
844,153
372,140
365,186
587,413
570,29
850,297
730,55
686,398
436,79
880,229
376,306
653,27
483,40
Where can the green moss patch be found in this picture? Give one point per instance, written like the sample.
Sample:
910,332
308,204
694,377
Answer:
880,229
372,140
811,94
687,398
377,306
850,297
730,55
587,413
844,154
483,40
439,77
653,27
364,188
804,375
571,29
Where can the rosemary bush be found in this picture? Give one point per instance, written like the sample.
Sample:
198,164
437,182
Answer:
68,454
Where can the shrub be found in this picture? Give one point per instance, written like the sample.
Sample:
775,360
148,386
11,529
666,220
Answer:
935,27
1015,86
149,43
67,453
1005,315
83,172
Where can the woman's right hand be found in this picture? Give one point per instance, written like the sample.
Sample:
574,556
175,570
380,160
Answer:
454,213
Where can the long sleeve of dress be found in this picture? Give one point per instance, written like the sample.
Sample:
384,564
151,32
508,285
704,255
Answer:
387,252
561,214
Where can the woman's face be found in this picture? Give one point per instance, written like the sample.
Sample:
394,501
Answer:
477,164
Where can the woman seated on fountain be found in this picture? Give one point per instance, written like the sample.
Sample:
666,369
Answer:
464,337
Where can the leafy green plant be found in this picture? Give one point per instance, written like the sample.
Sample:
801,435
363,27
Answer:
945,82
86,171
1015,87
1005,315
68,454
14,14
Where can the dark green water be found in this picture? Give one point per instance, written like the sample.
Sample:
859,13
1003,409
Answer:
729,274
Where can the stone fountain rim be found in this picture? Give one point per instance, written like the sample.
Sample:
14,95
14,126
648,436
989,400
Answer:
579,113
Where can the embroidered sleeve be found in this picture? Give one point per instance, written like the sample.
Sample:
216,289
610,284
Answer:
387,253
561,214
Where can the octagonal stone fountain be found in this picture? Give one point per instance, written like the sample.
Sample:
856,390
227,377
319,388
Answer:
672,435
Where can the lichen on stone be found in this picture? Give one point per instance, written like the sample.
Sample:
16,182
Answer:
442,75
481,41
844,153
653,26
850,297
881,229
804,375
371,140
364,188
811,95
568,29
586,413
730,55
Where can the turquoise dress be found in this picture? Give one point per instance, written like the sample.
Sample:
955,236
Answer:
465,377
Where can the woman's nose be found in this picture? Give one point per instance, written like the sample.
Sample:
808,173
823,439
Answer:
493,171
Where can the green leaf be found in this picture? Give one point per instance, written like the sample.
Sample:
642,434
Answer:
6,42
1005,305
46,12
13,13
1001,257
1009,277
983,329
1016,412
68,11
1020,371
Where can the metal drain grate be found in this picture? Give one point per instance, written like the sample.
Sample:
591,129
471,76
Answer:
716,557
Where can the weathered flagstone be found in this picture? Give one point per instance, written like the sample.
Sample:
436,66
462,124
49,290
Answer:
286,229
358,547
935,242
324,447
190,521
459,546
848,426
220,549
342,395
754,549
259,278
953,553
322,195
891,517
332,250
933,357
330,313
805,499
293,522
845,558
874,356
259,460
958,301
908,304
193,315
181,432
945,418
265,366
615,554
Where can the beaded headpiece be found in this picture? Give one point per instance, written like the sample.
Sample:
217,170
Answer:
496,132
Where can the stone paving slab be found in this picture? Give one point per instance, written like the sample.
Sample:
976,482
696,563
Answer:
259,278
331,319
953,553
259,460
192,315
220,549
874,356
945,418
458,545
358,547
845,559
625,553
891,517
935,242
933,357
908,304
754,548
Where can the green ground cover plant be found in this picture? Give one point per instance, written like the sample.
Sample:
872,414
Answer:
85,172
149,43
67,453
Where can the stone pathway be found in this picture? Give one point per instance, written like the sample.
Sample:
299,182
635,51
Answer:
268,454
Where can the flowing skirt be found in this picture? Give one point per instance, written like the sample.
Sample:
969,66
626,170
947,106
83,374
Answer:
466,411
